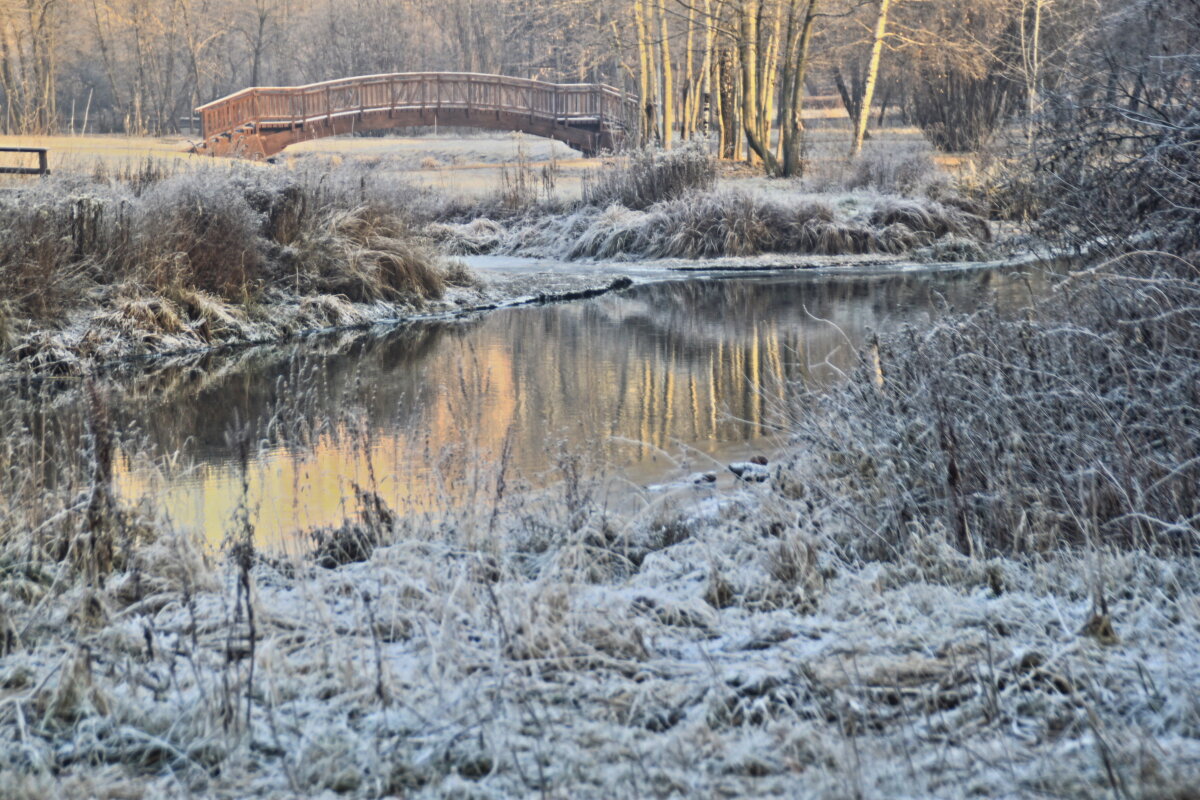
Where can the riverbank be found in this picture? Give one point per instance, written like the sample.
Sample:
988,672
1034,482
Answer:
725,650
151,327
156,328
156,259
855,624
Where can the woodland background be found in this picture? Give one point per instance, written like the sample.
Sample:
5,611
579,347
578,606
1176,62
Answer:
739,70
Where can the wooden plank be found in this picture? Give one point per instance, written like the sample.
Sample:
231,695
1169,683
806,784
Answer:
43,167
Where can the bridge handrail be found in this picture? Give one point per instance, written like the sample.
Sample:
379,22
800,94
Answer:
296,105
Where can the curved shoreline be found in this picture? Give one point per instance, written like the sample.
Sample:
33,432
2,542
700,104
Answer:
514,283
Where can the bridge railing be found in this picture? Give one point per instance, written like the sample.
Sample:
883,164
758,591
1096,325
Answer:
294,106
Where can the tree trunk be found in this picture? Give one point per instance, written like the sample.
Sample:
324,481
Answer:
1032,66
646,84
706,70
727,92
752,112
794,94
668,78
864,112
689,97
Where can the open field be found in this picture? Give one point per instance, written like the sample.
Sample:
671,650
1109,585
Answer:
465,164
84,153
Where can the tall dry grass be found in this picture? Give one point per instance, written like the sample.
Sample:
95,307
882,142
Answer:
720,223
649,176
234,232
1071,425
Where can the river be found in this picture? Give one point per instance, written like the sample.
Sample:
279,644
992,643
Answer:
647,385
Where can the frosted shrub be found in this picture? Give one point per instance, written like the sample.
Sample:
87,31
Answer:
651,176
905,172
1073,424
201,230
729,223
231,232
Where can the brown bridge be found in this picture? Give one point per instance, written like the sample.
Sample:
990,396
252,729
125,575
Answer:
261,121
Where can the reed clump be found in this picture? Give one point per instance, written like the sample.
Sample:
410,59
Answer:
649,176
1071,425
720,223
184,259
369,255
230,232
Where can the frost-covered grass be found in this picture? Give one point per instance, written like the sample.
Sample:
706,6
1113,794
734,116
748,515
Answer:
832,632
732,652
228,253
235,231
655,204
158,257
1072,424
650,176
720,223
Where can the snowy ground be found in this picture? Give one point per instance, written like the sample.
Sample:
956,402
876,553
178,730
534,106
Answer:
714,646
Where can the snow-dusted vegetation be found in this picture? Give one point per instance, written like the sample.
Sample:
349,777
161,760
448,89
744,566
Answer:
941,590
657,204
102,266
965,565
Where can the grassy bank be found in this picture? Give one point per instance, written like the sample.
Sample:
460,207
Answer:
102,265
656,204
156,257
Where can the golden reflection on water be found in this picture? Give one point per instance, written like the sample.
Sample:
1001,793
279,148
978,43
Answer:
695,367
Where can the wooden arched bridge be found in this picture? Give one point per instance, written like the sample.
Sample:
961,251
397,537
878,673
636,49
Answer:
261,121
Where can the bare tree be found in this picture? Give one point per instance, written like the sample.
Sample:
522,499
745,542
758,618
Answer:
864,111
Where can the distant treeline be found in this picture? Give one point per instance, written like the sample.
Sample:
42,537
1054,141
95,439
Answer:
739,69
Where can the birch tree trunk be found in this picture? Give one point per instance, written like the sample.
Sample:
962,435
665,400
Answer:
644,66
668,78
1031,45
689,98
864,111
706,70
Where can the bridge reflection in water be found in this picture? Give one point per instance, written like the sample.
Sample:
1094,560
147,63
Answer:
424,411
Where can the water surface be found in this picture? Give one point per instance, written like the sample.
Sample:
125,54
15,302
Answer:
655,381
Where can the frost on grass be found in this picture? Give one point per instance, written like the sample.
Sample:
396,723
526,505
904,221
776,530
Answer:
721,223
97,267
719,647
655,204
870,621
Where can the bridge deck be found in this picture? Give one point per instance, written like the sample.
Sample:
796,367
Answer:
261,121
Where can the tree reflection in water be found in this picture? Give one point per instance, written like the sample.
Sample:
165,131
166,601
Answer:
422,412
